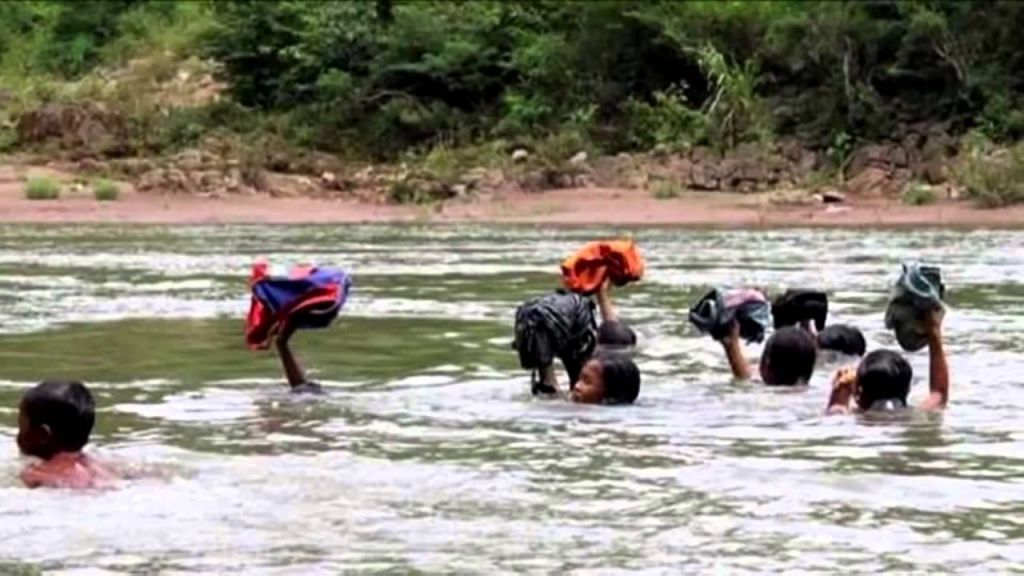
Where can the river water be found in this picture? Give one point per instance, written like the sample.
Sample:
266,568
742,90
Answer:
428,454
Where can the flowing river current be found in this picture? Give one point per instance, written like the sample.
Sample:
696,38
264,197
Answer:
428,455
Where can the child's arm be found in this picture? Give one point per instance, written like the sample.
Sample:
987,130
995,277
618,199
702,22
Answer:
843,386
938,369
734,352
548,385
292,371
604,302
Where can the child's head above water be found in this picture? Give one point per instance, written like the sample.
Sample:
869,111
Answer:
788,358
55,416
608,378
615,334
842,339
883,375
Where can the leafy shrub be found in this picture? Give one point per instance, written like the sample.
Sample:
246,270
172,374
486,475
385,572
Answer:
666,190
993,177
668,122
920,195
405,192
42,188
105,191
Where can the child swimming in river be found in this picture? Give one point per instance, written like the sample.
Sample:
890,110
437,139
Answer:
282,302
883,377
793,350
55,419
562,325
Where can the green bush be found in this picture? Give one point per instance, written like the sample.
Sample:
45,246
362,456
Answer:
106,191
404,192
667,123
42,188
920,195
993,177
666,190
389,79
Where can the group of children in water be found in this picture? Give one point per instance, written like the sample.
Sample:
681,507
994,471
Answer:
56,418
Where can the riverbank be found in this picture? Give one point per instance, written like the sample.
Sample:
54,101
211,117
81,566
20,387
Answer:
578,206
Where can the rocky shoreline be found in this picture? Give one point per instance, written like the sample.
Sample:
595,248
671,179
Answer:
89,140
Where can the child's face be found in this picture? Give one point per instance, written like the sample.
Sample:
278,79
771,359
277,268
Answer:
33,440
590,388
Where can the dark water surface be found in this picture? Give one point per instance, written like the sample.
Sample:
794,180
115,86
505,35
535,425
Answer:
429,456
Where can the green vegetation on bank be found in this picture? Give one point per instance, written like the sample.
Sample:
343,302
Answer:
105,191
394,79
42,188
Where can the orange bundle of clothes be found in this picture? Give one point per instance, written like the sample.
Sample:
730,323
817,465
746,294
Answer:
616,260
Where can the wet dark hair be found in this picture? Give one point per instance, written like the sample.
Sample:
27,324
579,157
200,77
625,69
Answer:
788,357
621,377
843,339
883,375
615,334
66,408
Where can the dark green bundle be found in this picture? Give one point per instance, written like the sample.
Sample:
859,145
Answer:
918,292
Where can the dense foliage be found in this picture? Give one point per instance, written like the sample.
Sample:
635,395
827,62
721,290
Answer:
387,76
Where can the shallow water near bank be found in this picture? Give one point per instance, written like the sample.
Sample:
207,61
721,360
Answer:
428,455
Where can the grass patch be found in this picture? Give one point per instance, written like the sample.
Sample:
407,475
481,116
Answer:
666,190
42,188
105,191
920,195
993,178
403,192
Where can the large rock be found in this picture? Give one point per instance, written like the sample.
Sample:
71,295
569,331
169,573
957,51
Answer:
808,162
933,172
89,126
938,147
881,156
483,179
869,182
703,176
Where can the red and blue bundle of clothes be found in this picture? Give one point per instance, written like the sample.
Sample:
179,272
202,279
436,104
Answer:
307,297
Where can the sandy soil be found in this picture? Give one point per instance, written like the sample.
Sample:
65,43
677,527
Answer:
574,206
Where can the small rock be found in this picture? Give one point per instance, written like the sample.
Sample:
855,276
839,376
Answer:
190,160
459,190
176,180
520,155
364,175
579,160
833,197
330,181
149,180
89,165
